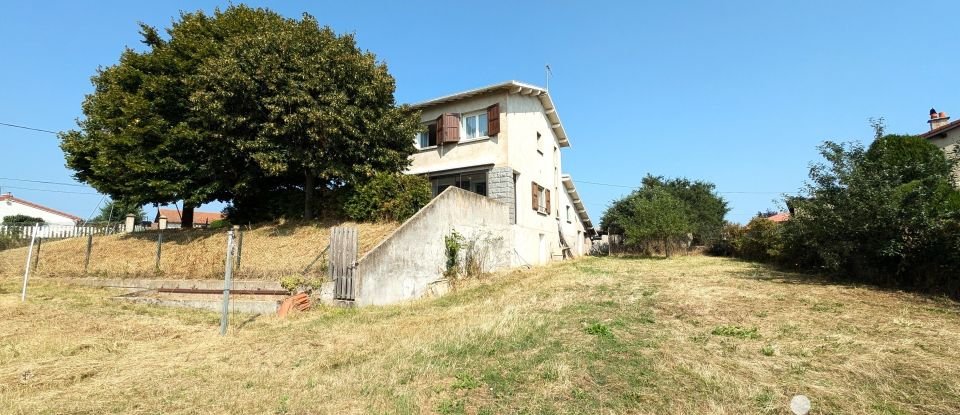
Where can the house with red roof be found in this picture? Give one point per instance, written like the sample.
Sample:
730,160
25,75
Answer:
174,221
12,206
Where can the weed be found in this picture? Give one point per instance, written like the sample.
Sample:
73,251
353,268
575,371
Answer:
736,331
767,350
600,330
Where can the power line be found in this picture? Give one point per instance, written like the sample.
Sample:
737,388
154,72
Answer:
634,187
51,191
29,128
43,182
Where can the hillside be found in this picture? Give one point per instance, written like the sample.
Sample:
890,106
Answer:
598,335
269,251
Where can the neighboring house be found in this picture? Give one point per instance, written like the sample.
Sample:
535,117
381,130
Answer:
779,217
503,141
10,206
944,134
200,219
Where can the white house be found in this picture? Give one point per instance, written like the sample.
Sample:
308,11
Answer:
504,141
944,134
11,206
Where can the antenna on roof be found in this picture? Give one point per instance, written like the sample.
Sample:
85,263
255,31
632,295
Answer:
548,73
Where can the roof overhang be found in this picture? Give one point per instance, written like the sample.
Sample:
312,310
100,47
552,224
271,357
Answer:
578,204
942,131
511,87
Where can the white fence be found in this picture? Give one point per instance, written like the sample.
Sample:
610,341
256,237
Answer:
58,231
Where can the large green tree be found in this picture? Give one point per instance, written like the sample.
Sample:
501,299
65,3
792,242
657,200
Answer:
116,211
888,213
703,209
235,104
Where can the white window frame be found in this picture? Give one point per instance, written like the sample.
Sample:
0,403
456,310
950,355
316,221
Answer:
476,115
569,220
542,199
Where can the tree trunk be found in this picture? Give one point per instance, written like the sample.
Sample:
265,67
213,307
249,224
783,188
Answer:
186,217
308,187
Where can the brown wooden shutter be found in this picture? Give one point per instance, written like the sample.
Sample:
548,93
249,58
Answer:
546,194
449,130
493,120
439,123
535,191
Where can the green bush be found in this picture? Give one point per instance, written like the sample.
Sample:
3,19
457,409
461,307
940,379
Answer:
21,220
389,197
219,224
759,241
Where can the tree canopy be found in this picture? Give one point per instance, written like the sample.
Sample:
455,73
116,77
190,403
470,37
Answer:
236,104
664,210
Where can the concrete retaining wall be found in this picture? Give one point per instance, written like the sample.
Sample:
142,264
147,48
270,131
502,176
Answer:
410,262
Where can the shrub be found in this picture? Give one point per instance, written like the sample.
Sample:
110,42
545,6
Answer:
21,220
389,197
219,224
759,240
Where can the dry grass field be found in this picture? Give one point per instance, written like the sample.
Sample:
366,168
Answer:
269,252
689,335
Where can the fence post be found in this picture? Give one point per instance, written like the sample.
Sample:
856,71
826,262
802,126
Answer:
236,228
26,271
128,224
36,258
159,243
227,277
86,261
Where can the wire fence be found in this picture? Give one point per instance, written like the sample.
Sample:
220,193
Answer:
264,253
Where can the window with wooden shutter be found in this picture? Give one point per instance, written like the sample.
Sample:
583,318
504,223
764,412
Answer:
547,202
493,120
448,128
535,195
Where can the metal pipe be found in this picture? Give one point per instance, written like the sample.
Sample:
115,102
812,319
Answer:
26,271
227,276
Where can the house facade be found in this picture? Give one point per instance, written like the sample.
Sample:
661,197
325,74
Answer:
504,141
944,134
12,206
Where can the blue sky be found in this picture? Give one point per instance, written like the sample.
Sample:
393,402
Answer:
738,93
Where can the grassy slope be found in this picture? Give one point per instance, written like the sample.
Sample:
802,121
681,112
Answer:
269,252
589,336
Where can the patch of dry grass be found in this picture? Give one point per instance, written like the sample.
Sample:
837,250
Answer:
599,335
268,252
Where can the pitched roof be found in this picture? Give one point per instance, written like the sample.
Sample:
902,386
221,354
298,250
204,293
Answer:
780,217
513,87
173,216
7,196
940,130
577,203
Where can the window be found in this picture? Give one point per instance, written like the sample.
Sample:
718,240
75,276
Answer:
539,143
542,205
541,198
568,215
475,181
428,138
475,125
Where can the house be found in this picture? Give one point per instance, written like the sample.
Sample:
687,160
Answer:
944,134
504,141
779,217
200,219
11,206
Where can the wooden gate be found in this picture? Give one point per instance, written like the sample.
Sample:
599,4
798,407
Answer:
343,261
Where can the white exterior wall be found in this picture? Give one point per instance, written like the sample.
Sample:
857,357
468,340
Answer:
466,153
949,143
12,207
525,118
